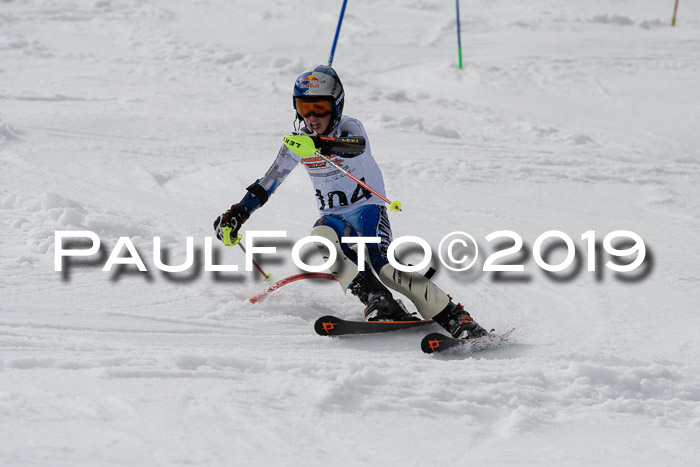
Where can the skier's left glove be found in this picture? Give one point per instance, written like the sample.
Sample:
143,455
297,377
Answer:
308,143
306,131
323,144
233,218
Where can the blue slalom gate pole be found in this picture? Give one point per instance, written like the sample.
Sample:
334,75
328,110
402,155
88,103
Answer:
337,32
459,37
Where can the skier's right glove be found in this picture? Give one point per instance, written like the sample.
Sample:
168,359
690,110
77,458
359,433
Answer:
234,218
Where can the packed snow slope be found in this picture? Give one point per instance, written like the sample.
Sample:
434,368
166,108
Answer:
149,118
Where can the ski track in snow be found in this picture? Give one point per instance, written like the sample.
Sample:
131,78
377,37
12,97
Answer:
145,119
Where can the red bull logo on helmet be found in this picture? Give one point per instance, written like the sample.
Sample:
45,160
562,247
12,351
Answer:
310,82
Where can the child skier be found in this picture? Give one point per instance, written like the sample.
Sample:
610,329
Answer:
349,210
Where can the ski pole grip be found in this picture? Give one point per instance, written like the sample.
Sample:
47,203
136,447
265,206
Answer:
301,145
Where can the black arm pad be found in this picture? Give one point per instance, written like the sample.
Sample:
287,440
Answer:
259,192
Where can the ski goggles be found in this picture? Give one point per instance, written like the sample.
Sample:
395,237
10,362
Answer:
317,108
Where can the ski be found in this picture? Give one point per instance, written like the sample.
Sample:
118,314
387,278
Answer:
334,326
436,342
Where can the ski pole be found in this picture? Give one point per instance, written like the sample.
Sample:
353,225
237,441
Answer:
304,146
393,205
268,277
675,10
227,242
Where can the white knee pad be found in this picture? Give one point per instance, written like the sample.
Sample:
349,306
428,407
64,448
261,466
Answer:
343,269
428,298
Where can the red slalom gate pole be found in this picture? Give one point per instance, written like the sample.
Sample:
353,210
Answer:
288,280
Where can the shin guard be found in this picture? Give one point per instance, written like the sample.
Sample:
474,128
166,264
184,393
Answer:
428,298
343,269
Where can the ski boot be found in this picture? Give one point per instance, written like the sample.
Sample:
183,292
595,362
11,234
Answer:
456,320
380,305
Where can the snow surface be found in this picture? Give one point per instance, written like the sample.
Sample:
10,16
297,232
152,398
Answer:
149,118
